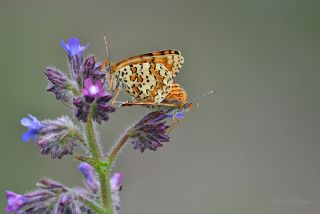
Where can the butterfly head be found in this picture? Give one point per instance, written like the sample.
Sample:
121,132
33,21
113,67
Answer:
187,107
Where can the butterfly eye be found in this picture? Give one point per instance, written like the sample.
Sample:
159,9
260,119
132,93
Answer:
187,106
107,69
105,66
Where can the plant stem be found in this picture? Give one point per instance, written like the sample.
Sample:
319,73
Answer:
94,149
103,175
106,191
115,150
92,205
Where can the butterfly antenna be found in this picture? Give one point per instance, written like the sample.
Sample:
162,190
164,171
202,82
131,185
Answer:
107,45
203,95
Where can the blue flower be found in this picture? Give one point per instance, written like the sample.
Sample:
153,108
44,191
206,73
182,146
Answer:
73,47
177,115
34,126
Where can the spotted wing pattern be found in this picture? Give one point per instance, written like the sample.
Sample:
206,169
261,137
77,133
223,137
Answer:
145,82
171,59
176,99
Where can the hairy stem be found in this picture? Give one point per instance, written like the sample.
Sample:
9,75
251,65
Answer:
93,146
115,150
103,175
92,205
106,191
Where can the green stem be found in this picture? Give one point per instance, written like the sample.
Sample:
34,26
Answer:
92,205
103,175
106,191
93,146
115,150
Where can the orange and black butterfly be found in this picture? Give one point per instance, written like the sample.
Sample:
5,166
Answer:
147,78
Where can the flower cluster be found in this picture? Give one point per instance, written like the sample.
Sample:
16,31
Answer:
59,84
150,132
53,197
86,87
55,137
50,197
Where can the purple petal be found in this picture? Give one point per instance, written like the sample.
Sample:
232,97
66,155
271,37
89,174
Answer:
85,169
116,181
14,201
88,83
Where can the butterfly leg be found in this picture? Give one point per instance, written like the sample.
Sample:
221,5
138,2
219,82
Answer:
116,94
110,84
152,104
174,124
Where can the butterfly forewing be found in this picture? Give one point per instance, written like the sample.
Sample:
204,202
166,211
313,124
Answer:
171,59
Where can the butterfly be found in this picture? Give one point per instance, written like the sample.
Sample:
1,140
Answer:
147,78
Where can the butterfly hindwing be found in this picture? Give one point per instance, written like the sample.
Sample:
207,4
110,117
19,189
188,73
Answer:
176,95
174,100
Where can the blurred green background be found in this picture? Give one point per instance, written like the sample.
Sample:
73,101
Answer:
253,147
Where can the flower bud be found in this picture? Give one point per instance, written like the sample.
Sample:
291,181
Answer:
150,132
59,84
58,137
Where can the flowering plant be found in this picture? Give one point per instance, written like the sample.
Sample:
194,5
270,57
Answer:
84,88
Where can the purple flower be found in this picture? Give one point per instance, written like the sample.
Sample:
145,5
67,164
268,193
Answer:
93,90
66,204
88,172
51,185
116,185
82,108
94,98
92,70
150,132
102,108
59,84
14,201
116,181
73,47
58,137
34,126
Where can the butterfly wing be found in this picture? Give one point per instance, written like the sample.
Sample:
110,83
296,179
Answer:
145,82
176,94
175,99
171,59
